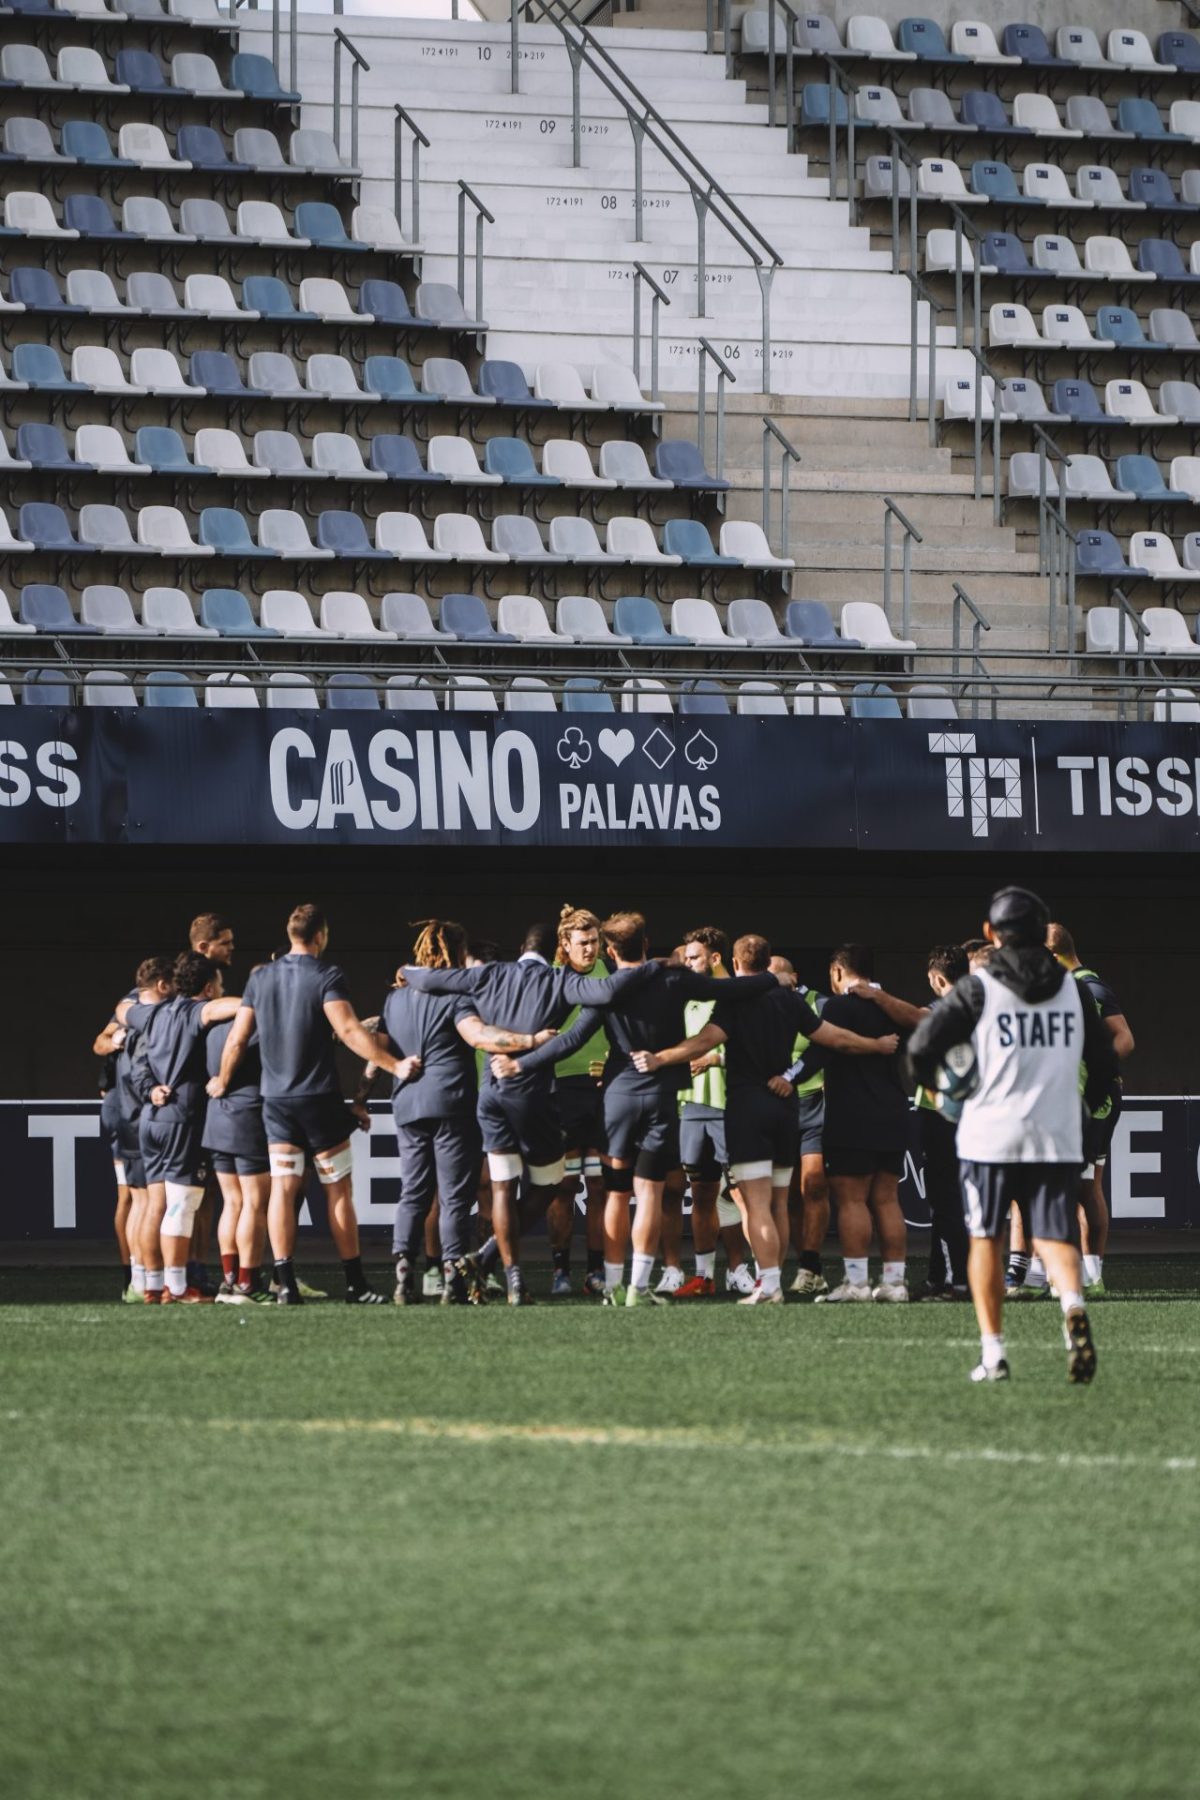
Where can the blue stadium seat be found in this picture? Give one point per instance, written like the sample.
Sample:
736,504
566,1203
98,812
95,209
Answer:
810,622
255,76
986,112
704,697
1158,256
38,366
386,301
391,378
1152,187
89,216
322,224
815,105
44,447
89,143
1076,400
506,383
1029,43
162,449
271,298
689,539
1098,554
1142,477
204,148
45,687
1121,325
141,72
874,700
1006,253
399,459
345,534
465,616
225,530
997,181
47,609
45,526
38,291
638,618
216,371
926,42
512,459
228,611
167,687
1143,118
351,692
584,694
680,461
1180,48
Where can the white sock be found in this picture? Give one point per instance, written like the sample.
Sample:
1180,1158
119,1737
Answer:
856,1271
154,1281
1036,1278
1070,1301
1093,1269
893,1274
176,1281
706,1263
992,1349
614,1275
137,1277
643,1268
770,1280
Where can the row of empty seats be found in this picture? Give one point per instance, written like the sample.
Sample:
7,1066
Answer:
1152,556
290,690
1111,632
199,14
145,219
1138,479
218,451
1075,402
84,70
993,183
273,375
981,113
462,618
1053,257
102,529
141,145
973,40
36,289
1011,325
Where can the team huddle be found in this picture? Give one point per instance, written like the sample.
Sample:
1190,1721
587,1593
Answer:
587,1063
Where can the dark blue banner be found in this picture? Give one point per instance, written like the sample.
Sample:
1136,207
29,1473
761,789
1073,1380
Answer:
242,777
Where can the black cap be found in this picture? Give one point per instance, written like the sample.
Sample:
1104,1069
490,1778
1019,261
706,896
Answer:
1019,916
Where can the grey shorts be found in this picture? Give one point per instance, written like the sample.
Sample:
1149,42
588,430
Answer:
702,1141
1047,1195
812,1121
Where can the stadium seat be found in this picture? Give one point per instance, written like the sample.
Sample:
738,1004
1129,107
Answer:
102,687
332,377
10,626
981,110
227,532
511,460
704,697
164,528
158,373
865,623
679,461
1173,329
698,622
747,544
810,623
584,694
568,462
1161,258
288,690
317,222
45,526
1184,477
761,700
1142,477
926,700
1076,400
337,455
270,298
1029,43
206,221
227,611
46,607
756,31
285,532
976,40
96,367
289,614
445,378
470,693
1154,552
279,453
1130,401
1098,554
230,692
80,67
255,75
505,382
391,378
1086,478
1079,44
1012,326
1066,327
213,296
945,251
872,36
8,541
529,693
44,447
45,687
397,458
1108,256
455,458
147,146
439,304
346,535
645,694
465,617
161,449
379,229
30,140
959,399
874,700
407,616
168,611
931,109
561,384
519,539
1131,50
688,540
1055,255
874,105
576,540
204,148
1109,632
460,536
323,298
91,290
409,693
1101,186
402,535
345,614
938,179
105,529
521,617
224,453
33,216
1005,253
1121,325
582,619
754,622
1181,49
812,698
637,619
1152,188
315,153
1038,113
215,372
633,541
883,173
616,387
1178,706
1047,182
261,222
168,688
626,465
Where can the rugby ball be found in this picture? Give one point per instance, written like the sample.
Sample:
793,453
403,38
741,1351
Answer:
957,1076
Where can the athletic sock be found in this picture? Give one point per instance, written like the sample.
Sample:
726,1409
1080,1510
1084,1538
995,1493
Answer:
614,1275
770,1280
595,1261
1093,1269
177,1281
562,1261
856,1270
991,1349
137,1277
488,1256
285,1274
1071,1300
154,1280
512,1278
249,1280
229,1266
808,1259
643,1268
126,1274
706,1264
1036,1278
356,1281
1018,1267
893,1274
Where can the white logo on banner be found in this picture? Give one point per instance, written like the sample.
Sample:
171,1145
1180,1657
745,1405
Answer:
16,787
980,788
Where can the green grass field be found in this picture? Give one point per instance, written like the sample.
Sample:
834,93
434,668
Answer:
571,1553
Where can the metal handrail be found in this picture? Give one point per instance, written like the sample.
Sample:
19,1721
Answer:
1056,540
404,118
293,47
340,41
723,372
790,455
891,511
789,58
466,193
659,297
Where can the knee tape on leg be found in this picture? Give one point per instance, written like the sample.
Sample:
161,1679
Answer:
593,1168
183,1203
781,1175
504,1165
286,1162
619,1181
572,1165
727,1212
547,1174
333,1165
750,1171
119,1172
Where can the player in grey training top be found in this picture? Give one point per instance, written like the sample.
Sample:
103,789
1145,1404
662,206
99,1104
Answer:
1020,1137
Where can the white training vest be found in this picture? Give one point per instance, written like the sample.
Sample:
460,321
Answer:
1027,1107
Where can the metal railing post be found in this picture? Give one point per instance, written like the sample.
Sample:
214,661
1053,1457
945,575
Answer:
700,202
576,59
710,27
771,62
275,35
337,90
642,274
404,118
834,91
638,133
723,372
727,36
789,454
890,509
514,48
766,276
293,51
481,214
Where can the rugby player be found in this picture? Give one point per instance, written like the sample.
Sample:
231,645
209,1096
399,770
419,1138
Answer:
299,1003
808,1202
153,984
110,1118
1020,1137
577,1084
211,935
236,1141
865,1137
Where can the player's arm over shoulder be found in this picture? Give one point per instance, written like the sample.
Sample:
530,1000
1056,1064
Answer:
949,1021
